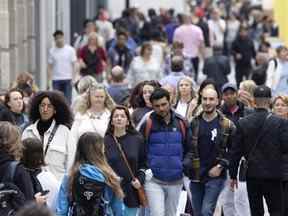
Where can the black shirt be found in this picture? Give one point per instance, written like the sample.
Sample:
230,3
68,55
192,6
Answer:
134,149
207,138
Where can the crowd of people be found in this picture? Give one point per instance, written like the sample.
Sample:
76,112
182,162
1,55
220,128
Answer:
129,128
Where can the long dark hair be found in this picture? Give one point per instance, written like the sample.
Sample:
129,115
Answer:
63,113
136,98
90,150
130,128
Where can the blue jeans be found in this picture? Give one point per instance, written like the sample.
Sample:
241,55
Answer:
64,86
130,211
205,196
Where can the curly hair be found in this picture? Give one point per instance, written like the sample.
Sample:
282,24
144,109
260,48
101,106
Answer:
10,139
85,103
136,97
63,114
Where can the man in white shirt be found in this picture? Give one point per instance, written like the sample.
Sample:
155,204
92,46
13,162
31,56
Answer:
217,28
62,65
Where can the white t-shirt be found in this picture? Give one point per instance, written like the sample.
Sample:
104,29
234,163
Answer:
217,34
181,108
62,60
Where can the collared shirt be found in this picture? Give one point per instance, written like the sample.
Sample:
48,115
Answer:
60,154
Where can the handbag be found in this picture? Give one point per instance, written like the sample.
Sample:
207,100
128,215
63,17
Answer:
140,191
243,168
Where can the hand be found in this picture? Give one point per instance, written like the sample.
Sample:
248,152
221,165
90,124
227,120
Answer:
135,183
233,184
40,199
215,171
238,56
82,64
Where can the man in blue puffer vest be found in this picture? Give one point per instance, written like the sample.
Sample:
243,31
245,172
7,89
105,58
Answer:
167,143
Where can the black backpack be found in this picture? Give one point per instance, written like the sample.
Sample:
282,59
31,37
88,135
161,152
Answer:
87,197
11,198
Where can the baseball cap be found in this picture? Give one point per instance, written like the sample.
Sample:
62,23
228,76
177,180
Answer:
227,86
262,92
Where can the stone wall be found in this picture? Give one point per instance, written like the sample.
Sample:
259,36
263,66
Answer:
17,39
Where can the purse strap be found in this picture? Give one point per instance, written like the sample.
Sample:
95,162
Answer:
259,137
50,138
122,153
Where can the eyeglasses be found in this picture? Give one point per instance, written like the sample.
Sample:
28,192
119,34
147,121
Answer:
43,105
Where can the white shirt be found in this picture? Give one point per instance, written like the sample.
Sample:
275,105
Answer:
181,109
105,29
60,153
49,182
217,34
86,123
140,71
62,60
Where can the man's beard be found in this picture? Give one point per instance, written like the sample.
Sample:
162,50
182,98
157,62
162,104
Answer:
210,111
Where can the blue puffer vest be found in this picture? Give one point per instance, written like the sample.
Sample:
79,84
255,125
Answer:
165,149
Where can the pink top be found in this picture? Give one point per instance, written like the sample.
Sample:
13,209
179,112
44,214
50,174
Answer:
192,37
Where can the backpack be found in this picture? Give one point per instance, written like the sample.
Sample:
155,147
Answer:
149,126
11,198
87,197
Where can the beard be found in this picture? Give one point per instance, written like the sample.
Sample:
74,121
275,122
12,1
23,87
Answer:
209,111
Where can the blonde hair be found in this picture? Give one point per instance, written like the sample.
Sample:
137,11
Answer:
84,83
10,139
249,86
284,98
188,79
90,150
93,35
85,103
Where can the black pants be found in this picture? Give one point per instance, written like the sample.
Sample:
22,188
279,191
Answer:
285,197
242,71
271,190
195,63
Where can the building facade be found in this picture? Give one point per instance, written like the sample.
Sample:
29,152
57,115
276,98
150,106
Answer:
27,27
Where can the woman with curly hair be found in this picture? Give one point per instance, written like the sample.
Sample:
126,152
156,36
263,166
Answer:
140,100
93,112
51,119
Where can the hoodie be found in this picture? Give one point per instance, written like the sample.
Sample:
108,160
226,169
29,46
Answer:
90,171
21,178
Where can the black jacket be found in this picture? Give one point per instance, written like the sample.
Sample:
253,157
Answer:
266,160
134,149
21,178
221,146
240,113
217,68
245,47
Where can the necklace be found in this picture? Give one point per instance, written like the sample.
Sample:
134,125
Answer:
96,115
